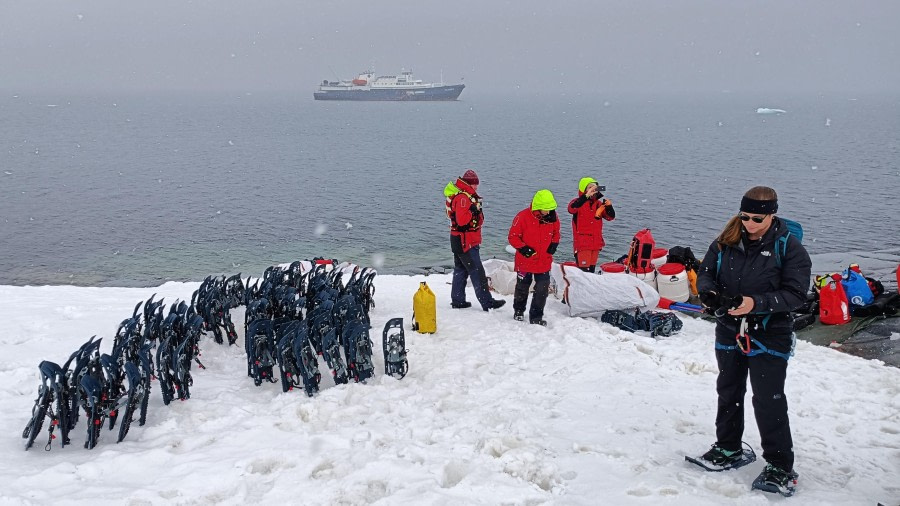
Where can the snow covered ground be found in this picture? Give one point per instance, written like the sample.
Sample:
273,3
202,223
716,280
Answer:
493,411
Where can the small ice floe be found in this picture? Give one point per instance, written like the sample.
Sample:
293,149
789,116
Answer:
766,110
8,173
52,105
79,16
827,121
348,225
230,143
814,167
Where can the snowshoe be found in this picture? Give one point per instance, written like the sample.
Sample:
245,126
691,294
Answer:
776,480
134,399
332,354
660,324
38,412
717,459
305,359
393,344
92,391
622,319
261,356
359,351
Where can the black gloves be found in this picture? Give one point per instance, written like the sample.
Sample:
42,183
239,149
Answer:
709,298
552,248
526,251
610,211
718,305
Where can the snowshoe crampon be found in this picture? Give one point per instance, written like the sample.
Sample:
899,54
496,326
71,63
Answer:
776,481
714,460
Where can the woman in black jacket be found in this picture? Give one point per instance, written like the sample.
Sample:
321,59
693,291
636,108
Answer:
754,274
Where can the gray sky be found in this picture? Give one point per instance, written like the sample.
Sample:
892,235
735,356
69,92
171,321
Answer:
591,46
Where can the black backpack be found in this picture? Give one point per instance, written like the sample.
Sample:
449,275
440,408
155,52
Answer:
685,257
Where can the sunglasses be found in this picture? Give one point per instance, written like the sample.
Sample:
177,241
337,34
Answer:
755,219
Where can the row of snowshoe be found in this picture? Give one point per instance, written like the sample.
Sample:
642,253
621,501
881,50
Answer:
178,338
214,300
293,316
115,388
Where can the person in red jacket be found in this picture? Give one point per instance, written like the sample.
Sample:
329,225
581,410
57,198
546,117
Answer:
535,235
588,211
463,205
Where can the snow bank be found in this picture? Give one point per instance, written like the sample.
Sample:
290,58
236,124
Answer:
493,411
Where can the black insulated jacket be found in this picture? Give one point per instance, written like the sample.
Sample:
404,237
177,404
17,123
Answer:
751,269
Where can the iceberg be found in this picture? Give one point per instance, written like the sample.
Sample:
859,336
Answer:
766,110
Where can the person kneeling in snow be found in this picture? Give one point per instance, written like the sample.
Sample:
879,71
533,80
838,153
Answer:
535,235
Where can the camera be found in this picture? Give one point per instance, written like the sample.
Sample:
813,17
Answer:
601,188
719,304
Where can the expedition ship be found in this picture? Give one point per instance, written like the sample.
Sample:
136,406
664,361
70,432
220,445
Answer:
367,86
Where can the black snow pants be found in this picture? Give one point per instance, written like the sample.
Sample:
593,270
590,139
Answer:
767,375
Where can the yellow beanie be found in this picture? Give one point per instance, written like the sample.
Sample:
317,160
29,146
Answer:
543,201
584,182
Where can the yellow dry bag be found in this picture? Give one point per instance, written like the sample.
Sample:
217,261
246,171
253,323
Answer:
424,310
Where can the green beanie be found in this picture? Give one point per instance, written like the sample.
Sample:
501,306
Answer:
584,182
543,201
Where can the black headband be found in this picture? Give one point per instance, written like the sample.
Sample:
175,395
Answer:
754,206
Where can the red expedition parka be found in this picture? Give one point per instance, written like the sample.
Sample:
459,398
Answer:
587,228
528,230
464,210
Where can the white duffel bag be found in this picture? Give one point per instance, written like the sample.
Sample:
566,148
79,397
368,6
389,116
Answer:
590,294
501,275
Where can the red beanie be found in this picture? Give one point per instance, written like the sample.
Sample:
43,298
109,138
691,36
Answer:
470,177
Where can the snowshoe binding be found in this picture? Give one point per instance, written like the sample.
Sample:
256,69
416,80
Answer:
718,459
776,480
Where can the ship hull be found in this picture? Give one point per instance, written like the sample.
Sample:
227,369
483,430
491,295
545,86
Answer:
436,93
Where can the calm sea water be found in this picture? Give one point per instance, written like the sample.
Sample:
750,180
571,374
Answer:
135,190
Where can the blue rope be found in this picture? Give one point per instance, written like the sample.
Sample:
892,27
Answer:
761,348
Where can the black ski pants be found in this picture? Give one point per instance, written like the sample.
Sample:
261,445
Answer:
538,300
767,375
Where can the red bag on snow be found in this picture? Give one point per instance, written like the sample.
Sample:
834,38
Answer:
640,255
834,308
